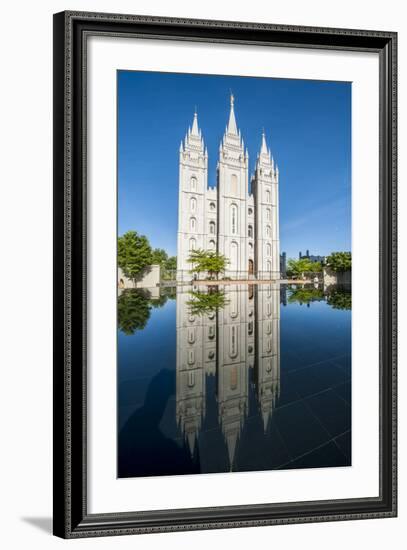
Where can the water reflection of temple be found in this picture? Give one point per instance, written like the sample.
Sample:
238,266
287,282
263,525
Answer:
227,342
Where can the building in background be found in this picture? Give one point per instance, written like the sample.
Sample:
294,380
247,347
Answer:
228,218
311,257
283,265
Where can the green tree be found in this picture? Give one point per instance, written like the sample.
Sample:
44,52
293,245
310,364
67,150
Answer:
207,261
169,268
133,311
340,261
299,267
215,263
171,263
197,259
159,257
133,253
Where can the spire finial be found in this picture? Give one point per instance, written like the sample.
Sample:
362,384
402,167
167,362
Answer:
195,129
232,126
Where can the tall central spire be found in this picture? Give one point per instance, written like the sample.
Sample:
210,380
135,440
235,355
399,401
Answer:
232,126
195,130
263,150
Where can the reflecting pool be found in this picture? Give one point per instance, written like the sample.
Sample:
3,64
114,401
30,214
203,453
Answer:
233,377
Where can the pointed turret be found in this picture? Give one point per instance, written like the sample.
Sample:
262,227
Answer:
264,156
193,139
232,126
263,150
195,130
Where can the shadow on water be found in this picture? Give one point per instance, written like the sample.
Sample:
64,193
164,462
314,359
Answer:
213,384
143,425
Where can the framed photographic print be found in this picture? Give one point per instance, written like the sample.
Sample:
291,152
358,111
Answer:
224,274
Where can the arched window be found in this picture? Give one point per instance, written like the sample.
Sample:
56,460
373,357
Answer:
191,336
234,309
193,224
191,357
233,341
250,327
268,231
193,183
234,253
268,196
250,231
268,214
250,211
212,227
212,245
191,378
268,266
233,184
268,249
212,205
233,378
192,244
251,246
192,204
233,218
211,332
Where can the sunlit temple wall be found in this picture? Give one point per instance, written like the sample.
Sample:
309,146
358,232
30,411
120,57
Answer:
235,217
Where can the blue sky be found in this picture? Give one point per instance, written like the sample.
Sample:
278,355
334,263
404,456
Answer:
307,125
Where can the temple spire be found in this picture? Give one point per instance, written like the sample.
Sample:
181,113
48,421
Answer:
232,126
263,150
195,129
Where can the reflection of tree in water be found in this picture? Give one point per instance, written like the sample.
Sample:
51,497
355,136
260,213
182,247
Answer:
340,298
134,308
305,295
133,312
203,303
337,297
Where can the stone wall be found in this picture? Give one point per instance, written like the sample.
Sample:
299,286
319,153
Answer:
333,278
148,278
